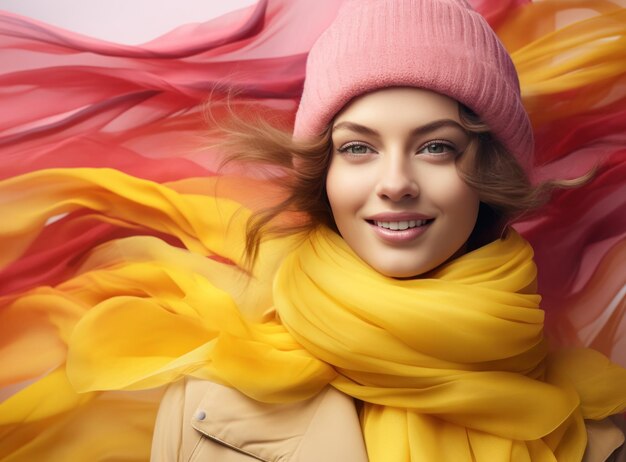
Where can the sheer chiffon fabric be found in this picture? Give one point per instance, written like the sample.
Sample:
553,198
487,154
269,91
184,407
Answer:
105,162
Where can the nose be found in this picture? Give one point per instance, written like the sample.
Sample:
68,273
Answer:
397,180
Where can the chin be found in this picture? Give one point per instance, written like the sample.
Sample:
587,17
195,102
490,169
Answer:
404,267
397,272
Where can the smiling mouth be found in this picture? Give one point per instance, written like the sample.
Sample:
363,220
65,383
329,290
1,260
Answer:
400,225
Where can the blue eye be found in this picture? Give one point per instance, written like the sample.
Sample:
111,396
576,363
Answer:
355,149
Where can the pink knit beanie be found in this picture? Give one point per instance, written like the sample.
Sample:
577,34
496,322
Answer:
440,45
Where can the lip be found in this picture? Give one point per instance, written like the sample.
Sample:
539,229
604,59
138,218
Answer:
395,216
399,236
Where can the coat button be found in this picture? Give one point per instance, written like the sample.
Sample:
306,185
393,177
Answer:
200,415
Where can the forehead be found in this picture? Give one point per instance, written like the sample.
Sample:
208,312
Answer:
398,105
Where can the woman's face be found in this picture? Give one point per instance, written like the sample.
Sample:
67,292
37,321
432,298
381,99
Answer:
393,185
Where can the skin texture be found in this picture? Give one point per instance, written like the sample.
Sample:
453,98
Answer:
399,172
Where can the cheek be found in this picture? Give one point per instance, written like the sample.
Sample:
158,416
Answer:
344,190
455,198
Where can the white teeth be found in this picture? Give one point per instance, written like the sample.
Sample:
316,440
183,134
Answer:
400,225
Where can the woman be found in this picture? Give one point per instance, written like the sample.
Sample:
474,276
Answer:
115,284
410,293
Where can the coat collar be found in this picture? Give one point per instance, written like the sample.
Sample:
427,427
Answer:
298,431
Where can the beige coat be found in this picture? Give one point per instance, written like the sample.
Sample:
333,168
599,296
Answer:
201,421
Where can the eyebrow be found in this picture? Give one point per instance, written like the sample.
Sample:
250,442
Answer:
430,127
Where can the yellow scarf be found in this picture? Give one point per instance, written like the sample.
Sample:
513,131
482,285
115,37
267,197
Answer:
451,367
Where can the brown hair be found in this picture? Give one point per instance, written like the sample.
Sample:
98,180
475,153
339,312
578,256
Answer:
504,190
